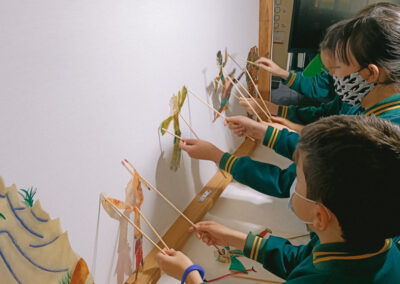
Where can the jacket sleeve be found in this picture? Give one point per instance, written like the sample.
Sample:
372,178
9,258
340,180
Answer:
317,87
263,177
276,254
306,115
283,142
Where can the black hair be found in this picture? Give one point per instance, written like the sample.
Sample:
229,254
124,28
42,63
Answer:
352,166
377,9
373,39
333,34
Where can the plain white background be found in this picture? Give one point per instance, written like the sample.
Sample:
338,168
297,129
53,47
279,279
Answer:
84,84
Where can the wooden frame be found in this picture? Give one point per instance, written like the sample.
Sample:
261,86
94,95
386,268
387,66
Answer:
178,234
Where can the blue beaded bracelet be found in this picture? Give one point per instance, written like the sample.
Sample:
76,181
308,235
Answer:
190,269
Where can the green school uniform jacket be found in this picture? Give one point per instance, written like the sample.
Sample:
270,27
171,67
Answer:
274,181
317,87
324,263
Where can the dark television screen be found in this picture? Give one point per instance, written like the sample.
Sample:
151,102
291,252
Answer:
311,18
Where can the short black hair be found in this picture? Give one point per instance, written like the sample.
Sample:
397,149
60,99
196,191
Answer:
377,9
373,38
333,34
352,166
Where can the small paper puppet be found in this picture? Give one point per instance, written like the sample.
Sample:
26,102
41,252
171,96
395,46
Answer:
176,104
226,93
138,200
221,64
231,256
253,70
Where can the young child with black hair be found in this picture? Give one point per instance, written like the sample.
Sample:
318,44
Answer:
347,194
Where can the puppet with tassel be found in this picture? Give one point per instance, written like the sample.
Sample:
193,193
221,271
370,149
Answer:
176,104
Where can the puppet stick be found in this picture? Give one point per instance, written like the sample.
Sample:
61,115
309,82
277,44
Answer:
245,60
255,86
216,111
259,94
166,199
298,236
241,94
207,104
158,192
255,101
190,127
133,224
151,227
256,279
173,134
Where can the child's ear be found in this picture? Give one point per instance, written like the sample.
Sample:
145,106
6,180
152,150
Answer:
371,73
321,219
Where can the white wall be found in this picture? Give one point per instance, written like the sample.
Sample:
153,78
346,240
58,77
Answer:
84,84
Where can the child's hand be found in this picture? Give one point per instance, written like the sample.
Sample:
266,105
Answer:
244,102
174,263
200,149
244,126
280,123
212,233
270,66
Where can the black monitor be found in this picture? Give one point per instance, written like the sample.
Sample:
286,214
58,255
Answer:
311,18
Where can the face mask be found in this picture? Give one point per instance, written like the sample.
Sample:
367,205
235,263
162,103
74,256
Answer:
352,88
294,192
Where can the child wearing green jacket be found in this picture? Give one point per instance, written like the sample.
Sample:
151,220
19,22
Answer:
353,237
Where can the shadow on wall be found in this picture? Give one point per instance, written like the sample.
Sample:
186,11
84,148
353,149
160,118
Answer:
176,187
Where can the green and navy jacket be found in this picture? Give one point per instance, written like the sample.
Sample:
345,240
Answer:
272,180
318,87
324,263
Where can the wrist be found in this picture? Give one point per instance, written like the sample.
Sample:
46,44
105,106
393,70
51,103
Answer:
216,156
194,278
284,74
238,240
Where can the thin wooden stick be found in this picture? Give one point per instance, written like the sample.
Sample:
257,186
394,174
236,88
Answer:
298,236
207,104
256,279
159,193
216,111
259,94
133,224
259,118
190,127
255,87
173,134
151,227
245,60
255,101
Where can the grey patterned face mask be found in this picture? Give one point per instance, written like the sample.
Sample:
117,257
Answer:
352,88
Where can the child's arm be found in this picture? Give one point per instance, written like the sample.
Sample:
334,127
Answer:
263,177
277,254
174,263
318,87
306,115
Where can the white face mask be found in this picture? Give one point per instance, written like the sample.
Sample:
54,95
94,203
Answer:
294,192
352,88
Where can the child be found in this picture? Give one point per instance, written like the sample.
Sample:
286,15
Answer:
319,87
353,237
369,54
